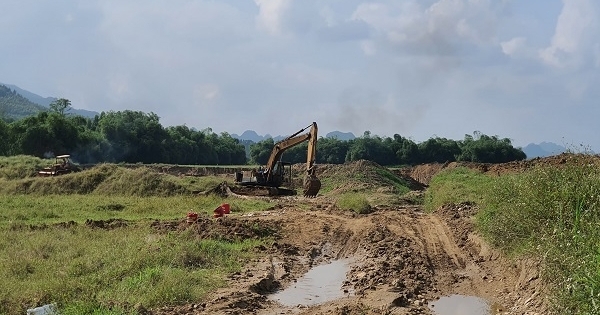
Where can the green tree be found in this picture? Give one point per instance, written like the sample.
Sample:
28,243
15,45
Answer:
185,146
406,150
31,136
229,150
4,134
488,149
134,136
332,150
370,148
61,106
260,151
438,150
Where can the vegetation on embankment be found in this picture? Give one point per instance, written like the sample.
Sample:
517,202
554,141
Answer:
551,212
93,242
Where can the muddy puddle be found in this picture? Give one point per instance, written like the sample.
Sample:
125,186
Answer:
320,284
460,305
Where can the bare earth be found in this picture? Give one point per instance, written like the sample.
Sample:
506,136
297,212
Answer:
401,258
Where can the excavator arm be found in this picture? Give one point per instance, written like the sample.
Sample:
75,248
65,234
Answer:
312,185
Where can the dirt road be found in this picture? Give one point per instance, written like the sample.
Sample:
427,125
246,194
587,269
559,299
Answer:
396,260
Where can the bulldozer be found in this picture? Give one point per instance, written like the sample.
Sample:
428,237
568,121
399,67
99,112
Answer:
62,165
276,172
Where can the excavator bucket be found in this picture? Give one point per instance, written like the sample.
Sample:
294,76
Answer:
312,185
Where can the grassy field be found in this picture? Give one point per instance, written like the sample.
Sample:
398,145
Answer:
548,212
48,254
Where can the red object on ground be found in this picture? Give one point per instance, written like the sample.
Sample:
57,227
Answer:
218,212
192,217
226,208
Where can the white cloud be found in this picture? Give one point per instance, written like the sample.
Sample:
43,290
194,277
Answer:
271,14
368,47
513,47
576,26
206,92
435,29
416,67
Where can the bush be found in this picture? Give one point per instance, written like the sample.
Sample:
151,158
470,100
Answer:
355,202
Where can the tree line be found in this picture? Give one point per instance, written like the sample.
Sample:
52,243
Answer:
398,150
138,137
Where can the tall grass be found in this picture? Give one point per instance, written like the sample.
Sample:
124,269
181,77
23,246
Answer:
46,258
78,267
355,202
554,213
20,166
548,212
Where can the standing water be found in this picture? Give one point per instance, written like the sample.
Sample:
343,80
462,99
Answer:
460,305
319,285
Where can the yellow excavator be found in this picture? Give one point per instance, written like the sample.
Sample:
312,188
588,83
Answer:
274,173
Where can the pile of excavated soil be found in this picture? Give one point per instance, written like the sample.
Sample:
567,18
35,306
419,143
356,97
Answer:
362,175
424,172
228,228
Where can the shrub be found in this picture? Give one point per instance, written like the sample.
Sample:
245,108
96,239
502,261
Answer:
355,202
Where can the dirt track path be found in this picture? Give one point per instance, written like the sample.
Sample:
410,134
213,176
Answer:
401,260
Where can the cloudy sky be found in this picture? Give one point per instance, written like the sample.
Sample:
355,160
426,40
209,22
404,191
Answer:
528,70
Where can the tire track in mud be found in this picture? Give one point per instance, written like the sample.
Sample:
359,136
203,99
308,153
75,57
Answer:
402,258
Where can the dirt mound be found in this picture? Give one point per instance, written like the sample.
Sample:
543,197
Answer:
424,173
226,228
364,175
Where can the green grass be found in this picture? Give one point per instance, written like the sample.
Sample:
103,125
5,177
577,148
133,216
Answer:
355,202
455,186
49,255
20,166
390,179
367,180
552,213
548,212
78,266
28,210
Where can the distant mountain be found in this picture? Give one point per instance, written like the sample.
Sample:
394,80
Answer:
543,149
44,102
14,106
344,136
248,135
251,135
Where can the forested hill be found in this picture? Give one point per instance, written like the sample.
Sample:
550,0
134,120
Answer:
14,106
39,100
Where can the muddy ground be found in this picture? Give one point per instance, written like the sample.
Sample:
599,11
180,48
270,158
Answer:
401,259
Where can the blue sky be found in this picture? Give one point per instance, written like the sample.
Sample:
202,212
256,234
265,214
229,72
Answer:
522,69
